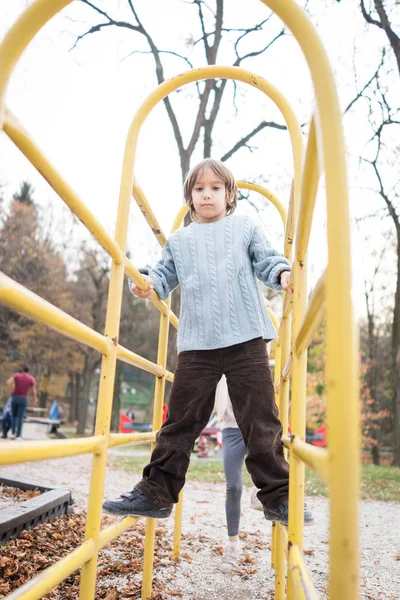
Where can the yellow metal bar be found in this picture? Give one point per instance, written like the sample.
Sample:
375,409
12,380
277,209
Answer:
342,373
312,318
120,439
301,582
284,536
223,72
141,283
286,372
291,218
176,553
27,303
169,376
18,37
182,212
148,213
309,188
110,533
157,422
314,457
39,586
287,305
138,361
267,194
24,142
282,396
297,415
280,565
20,452
107,376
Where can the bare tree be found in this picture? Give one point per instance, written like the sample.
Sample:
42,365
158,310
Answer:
381,156
210,92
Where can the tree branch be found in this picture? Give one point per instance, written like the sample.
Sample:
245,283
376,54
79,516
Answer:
374,76
244,141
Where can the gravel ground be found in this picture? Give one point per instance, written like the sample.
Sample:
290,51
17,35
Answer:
197,576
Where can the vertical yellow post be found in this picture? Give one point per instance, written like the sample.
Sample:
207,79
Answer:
178,528
297,416
104,404
159,391
107,376
277,373
283,405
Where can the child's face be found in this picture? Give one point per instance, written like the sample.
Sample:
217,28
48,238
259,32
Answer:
209,197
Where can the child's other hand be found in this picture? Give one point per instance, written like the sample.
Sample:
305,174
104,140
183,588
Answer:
285,282
143,293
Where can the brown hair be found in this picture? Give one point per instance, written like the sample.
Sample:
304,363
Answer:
222,171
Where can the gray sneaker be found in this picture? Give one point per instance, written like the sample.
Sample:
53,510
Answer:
229,559
281,514
135,503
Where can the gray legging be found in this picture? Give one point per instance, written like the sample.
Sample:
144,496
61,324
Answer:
233,452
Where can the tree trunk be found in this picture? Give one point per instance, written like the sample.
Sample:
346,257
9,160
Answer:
116,407
375,455
75,383
83,401
396,363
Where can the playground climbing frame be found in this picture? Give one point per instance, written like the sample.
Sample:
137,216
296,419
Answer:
339,463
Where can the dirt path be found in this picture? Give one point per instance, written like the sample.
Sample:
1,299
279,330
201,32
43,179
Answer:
197,576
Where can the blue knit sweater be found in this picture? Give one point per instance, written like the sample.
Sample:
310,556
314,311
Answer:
216,265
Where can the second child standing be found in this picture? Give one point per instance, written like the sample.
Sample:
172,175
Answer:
223,329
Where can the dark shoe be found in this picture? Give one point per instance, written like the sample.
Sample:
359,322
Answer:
281,514
135,503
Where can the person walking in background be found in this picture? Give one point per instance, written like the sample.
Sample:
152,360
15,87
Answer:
233,454
19,385
6,419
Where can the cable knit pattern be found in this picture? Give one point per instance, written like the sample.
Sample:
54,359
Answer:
231,276
215,264
216,321
196,287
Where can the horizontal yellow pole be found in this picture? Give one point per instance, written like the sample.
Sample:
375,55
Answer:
142,363
169,376
39,586
120,439
19,452
24,142
27,303
303,587
315,457
244,185
313,317
138,361
148,213
141,283
308,195
111,533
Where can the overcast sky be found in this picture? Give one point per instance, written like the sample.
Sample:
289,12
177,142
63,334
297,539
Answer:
78,106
